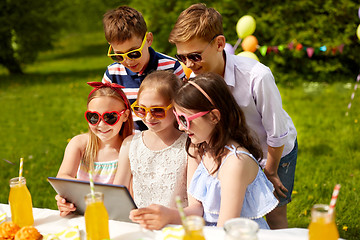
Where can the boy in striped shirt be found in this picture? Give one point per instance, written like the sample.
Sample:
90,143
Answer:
130,47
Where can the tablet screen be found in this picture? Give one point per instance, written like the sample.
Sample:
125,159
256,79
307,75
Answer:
117,199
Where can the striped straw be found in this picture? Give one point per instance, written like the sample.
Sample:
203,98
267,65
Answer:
334,198
352,95
21,168
92,188
181,212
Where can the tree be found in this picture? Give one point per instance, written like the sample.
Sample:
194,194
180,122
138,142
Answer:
26,27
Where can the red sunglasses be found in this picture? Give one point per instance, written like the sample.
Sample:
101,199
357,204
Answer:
110,118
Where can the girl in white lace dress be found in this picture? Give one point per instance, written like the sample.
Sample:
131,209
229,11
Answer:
154,161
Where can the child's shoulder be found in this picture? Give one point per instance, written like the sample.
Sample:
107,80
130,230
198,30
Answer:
80,140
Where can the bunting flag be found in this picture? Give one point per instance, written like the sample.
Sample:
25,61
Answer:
296,46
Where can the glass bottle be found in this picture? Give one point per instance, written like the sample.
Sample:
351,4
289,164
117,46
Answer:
322,225
20,202
194,225
241,229
96,217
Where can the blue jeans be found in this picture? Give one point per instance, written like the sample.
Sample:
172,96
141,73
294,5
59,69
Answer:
286,173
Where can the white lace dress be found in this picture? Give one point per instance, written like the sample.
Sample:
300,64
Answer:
158,176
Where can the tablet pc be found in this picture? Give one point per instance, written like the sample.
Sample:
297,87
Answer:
117,199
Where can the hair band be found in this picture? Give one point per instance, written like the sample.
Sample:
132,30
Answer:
202,91
114,86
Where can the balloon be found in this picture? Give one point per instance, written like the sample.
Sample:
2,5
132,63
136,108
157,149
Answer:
229,49
249,55
359,12
187,70
245,26
249,43
358,32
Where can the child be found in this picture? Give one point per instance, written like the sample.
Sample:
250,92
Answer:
228,182
110,122
155,160
198,36
126,32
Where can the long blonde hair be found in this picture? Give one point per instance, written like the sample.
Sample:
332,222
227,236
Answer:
92,146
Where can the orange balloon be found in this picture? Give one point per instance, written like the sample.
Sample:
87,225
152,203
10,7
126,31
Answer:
187,70
249,43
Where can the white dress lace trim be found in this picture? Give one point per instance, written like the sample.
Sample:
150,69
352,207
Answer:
158,176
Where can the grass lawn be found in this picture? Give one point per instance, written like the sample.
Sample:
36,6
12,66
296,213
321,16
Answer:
44,109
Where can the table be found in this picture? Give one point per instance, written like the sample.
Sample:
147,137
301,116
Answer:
49,221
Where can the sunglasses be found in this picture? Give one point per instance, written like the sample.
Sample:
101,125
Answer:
185,120
193,57
155,112
133,54
110,118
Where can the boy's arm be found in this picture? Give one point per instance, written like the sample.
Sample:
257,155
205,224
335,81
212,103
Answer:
272,164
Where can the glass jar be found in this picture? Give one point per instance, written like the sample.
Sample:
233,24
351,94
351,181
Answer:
20,202
322,225
96,217
241,229
194,226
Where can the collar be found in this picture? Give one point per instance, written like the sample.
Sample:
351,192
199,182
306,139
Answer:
229,75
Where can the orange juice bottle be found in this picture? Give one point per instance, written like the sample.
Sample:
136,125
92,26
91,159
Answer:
322,226
20,202
194,225
96,217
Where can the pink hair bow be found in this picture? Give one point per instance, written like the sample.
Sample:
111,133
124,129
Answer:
116,87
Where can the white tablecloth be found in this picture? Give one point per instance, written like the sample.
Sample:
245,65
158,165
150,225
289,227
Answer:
48,221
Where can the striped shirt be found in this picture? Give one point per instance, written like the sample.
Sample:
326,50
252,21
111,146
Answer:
104,172
118,73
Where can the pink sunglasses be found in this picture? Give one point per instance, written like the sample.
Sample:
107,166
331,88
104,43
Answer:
185,120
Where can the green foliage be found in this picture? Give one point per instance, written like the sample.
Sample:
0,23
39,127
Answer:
27,27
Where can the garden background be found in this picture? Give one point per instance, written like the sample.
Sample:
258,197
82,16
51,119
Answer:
60,46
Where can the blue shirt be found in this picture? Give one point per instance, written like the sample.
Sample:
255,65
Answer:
118,73
259,199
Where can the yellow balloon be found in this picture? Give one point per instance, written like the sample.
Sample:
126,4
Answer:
358,32
245,26
249,55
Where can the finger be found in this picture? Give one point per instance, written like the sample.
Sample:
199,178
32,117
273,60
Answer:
280,193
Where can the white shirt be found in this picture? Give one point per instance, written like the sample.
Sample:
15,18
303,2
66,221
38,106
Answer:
254,88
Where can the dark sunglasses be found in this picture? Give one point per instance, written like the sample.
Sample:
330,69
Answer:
155,112
110,118
194,57
133,54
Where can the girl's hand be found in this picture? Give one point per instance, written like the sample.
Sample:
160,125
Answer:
153,217
64,207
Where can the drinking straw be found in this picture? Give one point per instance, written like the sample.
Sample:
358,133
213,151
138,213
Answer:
334,198
92,189
21,168
181,212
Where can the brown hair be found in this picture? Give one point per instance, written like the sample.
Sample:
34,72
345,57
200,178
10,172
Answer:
232,124
123,23
92,146
197,21
166,84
